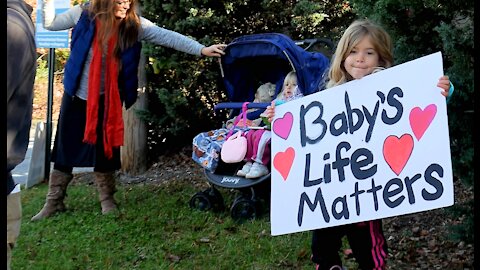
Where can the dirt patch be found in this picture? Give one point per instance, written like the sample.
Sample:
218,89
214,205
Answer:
41,98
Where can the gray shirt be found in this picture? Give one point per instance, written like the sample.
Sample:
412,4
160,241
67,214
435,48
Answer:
150,32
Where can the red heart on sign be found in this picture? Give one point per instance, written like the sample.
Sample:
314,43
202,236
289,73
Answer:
421,119
397,151
283,162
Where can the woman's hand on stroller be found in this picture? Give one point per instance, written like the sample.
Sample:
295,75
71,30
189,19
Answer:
215,50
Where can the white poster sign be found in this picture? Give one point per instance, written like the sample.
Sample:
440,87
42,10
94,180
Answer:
368,149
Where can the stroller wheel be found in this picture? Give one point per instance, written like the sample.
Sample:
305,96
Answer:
216,199
201,201
243,209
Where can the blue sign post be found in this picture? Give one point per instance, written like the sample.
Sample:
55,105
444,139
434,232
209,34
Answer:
50,39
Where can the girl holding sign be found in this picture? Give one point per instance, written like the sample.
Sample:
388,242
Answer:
363,49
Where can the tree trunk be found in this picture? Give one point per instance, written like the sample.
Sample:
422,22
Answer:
134,150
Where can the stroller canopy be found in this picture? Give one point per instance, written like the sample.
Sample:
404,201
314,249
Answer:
255,59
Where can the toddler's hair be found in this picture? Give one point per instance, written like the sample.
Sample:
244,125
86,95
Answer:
291,78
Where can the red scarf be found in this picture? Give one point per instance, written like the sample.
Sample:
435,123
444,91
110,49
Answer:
112,116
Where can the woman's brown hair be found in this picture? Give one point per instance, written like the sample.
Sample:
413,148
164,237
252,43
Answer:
128,28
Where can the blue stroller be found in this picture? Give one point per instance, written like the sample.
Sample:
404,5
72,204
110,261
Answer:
248,60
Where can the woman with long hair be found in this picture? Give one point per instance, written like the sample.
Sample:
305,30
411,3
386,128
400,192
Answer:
100,75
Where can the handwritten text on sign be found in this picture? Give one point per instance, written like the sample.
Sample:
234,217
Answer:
368,149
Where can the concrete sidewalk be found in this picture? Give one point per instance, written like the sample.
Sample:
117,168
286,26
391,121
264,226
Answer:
20,173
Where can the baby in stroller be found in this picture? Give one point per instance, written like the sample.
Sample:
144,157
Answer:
249,179
248,61
207,145
257,158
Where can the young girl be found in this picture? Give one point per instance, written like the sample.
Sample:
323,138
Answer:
363,49
258,140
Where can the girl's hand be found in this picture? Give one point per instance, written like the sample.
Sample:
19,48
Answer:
270,111
214,50
444,84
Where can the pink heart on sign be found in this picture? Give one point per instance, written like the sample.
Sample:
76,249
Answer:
283,162
421,119
397,151
283,126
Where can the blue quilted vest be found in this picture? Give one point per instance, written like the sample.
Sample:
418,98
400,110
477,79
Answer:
82,37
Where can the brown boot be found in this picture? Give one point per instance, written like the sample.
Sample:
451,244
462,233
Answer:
106,188
57,189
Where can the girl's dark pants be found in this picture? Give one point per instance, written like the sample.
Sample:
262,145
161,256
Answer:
366,240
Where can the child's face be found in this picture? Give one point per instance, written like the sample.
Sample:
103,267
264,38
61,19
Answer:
289,89
362,60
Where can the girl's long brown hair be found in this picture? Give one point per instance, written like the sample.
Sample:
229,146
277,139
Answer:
128,28
359,29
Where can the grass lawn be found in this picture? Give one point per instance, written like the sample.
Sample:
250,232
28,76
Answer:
154,229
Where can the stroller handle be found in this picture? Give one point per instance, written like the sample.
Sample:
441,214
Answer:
238,105
310,42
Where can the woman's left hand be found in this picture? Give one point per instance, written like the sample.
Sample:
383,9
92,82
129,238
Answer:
215,50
